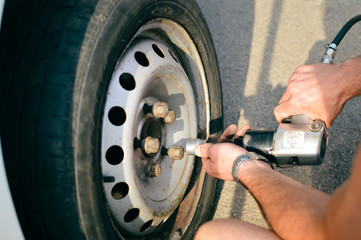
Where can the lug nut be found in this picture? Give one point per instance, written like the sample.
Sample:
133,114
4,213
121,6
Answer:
170,118
153,170
159,109
175,152
150,145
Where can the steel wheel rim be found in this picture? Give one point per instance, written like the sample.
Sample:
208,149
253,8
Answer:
138,203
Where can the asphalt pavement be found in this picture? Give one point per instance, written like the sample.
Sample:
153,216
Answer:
259,44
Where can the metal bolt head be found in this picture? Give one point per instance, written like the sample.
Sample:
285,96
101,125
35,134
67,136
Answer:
170,118
151,145
160,109
154,170
176,152
316,126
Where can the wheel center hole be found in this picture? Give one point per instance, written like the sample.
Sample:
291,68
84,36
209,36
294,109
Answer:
152,128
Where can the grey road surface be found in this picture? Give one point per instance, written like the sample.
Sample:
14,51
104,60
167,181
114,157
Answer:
259,44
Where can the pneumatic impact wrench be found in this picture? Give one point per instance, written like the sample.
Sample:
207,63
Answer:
298,140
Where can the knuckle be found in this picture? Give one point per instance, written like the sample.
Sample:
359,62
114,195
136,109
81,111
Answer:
303,68
300,68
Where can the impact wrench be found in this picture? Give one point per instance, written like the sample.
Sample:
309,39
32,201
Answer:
298,140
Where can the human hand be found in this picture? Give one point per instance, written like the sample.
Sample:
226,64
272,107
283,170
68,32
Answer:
229,134
218,158
317,90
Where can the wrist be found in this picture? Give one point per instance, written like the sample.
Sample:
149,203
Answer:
250,167
351,77
244,159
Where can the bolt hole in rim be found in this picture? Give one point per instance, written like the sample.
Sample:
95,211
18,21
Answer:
114,155
117,116
157,50
149,72
120,190
131,215
127,81
141,58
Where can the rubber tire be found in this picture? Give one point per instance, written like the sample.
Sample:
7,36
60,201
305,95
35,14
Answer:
57,58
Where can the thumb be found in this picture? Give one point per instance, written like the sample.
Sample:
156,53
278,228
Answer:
202,150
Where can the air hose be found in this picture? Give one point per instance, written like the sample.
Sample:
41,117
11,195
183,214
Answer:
330,53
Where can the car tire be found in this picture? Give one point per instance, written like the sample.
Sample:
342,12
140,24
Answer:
59,62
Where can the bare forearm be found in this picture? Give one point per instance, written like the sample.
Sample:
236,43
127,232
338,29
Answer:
351,76
343,215
291,208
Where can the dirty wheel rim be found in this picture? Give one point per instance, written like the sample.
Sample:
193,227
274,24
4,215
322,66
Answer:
143,189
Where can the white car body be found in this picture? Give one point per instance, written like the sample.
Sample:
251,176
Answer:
9,223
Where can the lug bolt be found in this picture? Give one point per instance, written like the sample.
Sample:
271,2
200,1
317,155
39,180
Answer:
159,109
149,145
170,118
175,152
153,170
